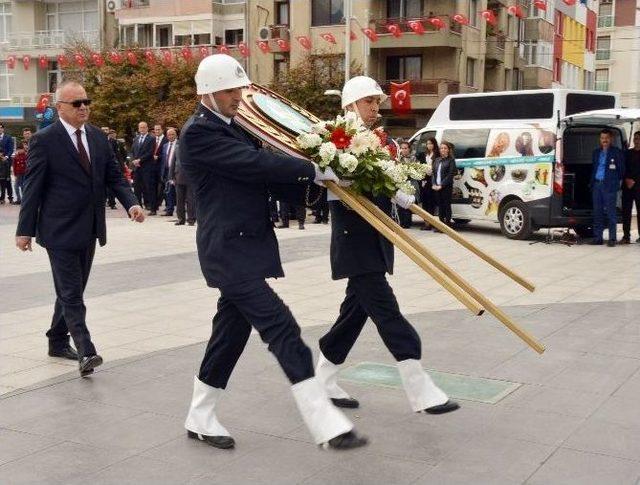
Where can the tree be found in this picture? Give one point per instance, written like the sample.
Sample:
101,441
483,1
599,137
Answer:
306,82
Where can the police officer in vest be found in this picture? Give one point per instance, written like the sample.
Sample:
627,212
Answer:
361,254
237,248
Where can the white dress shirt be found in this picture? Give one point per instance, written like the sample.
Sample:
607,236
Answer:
171,145
72,133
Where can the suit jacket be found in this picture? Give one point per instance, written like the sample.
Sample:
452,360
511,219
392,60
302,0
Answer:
144,151
164,160
63,205
632,166
231,178
356,247
447,171
175,170
612,176
159,151
6,145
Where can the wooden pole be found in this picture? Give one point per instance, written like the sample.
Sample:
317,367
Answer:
459,280
407,249
434,221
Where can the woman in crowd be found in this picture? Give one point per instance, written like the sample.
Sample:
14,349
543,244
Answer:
427,195
444,169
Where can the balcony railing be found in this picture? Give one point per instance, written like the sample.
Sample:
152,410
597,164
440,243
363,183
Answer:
403,23
603,54
602,85
605,21
432,87
51,39
135,3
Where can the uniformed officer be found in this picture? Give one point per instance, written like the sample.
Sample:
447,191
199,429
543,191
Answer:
237,247
364,256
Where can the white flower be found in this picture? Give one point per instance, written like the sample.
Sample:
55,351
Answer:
327,153
407,188
360,143
348,162
320,128
386,165
396,173
309,140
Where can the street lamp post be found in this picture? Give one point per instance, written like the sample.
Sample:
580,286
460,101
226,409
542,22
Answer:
347,39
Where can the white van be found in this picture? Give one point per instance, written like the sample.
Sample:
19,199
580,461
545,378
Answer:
524,157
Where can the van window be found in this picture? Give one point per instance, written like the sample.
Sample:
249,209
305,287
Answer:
470,143
505,107
578,103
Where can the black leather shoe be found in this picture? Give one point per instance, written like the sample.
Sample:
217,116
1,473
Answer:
87,364
67,352
282,226
625,240
153,213
611,243
347,441
348,402
443,408
596,242
192,223
180,223
224,442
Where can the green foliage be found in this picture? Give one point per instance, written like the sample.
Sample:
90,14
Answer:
306,82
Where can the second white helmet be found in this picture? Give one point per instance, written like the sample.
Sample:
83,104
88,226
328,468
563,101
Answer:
361,87
219,72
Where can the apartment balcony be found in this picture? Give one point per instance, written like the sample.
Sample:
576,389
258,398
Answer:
275,35
495,50
537,77
606,21
228,8
536,29
49,39
449,36
425,93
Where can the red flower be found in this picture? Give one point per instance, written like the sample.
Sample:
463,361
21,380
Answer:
393,151
340,138
380,133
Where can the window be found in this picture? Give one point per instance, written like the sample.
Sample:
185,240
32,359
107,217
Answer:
404,67
579,103
5,21
557,70
327,12
470,143
471,71
507,79
538,53
602,80
280,65
473,13
54,76
420,144
80,17
605,15
557,22
603,49
502,107
589,41
4,81
282,13
145,35
404,8
202,39
233,37
163,35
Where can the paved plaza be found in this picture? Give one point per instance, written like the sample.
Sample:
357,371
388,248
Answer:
567,416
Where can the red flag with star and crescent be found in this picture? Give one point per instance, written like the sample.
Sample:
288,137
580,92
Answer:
401,97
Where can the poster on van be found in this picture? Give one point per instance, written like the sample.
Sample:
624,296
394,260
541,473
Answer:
517,161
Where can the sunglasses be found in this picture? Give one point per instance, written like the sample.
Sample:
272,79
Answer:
78,102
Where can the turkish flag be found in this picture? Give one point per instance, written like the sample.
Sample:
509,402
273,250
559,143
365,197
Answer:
97,59
540,5
151,58
187,55
329,37
370,33
516,11
244,50
11,62
283,45
131,57
113,56
460,19
304,41
62,60
223,49
263,45
490,17
416,26
204,52
401,97
437,22
43,62
79,59
167,57
394,29
26,61
570,2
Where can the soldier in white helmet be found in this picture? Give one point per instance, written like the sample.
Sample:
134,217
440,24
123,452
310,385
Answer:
237,248
364,256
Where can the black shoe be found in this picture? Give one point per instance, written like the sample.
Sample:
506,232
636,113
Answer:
180,223
301,227
596,242
325,222
348,402
112,207
443,408
282,226
167,214
224,442
611,243
625,240
347,441
317,221
153,213
67,352
192,223
87,364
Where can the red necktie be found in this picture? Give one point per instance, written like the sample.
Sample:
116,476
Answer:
84,158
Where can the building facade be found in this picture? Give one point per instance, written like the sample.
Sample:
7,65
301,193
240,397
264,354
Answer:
618,50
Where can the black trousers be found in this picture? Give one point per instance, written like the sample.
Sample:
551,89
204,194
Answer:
150,188
322,211
111,198
5,186
286,209
369,295
405,217
629,196
428,198
138,186
241,306
184,197
444,203
70,275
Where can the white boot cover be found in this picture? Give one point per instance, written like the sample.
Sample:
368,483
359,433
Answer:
202,418
327,374
420,389
323,419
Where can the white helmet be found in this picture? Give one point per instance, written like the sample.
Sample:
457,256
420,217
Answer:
360,87
219,72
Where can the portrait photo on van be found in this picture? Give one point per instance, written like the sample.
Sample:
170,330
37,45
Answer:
546,142
524,144
500,144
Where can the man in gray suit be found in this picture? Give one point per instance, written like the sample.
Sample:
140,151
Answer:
184,194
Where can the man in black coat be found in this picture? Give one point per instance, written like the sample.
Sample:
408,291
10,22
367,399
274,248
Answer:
145,168
69,166
183,192
237,248
364,256
631,188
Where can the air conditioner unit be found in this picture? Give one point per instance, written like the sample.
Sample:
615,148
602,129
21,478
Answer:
113,5
264,33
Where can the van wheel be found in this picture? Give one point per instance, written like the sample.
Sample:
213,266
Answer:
515,220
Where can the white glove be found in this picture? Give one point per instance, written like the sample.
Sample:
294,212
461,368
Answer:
342,183
403,200
321,176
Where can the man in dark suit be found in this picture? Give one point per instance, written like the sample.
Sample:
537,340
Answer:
145,171
158,149
167,159
363,255
6,148
183,191
68,167
631,189
238,250
606,176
